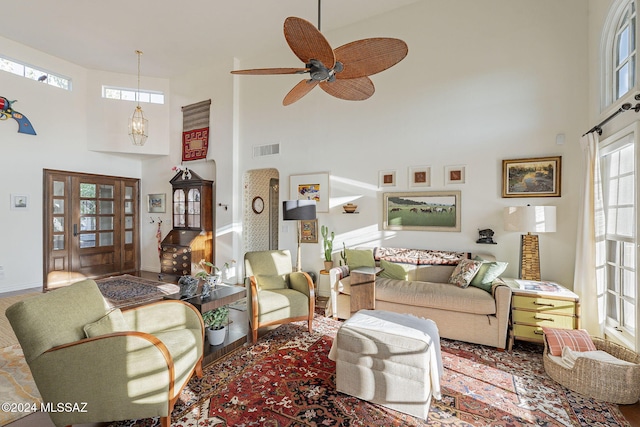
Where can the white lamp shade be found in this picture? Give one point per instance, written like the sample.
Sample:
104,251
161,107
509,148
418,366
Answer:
530,219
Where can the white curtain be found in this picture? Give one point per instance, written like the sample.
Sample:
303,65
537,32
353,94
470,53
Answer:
589,269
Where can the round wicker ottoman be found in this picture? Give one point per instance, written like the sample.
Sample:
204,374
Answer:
599,380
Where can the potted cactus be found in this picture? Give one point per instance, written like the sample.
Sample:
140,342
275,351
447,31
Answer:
327,244
216,323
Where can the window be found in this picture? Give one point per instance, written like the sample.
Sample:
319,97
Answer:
39,74
619,52
125,94
618,165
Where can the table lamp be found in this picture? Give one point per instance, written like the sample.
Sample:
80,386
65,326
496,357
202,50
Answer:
298,210
530,219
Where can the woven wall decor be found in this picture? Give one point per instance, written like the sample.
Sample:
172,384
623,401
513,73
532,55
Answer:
195,131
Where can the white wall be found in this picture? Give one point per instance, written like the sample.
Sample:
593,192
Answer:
483,82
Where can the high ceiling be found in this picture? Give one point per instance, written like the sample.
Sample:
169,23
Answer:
174,36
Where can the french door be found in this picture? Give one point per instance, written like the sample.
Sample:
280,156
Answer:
90,226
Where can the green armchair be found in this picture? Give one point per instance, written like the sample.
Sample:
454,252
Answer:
115,365
276,293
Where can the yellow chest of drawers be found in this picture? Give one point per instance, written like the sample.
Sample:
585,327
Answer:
538,304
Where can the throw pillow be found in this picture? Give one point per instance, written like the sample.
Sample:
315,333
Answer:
464,272
360,258
276,281
112,322
489,271
392,270
575,339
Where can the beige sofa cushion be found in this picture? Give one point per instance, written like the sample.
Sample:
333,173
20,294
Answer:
443,296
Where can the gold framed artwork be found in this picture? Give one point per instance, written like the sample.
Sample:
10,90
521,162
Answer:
422,211
309,231
420,176
532,177
311,187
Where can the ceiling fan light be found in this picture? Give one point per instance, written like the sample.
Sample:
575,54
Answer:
138,127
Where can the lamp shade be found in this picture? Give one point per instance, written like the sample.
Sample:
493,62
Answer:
298,210
530,219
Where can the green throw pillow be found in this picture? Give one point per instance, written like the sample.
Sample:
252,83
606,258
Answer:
489,271
276,281
112,322
360,258
392,270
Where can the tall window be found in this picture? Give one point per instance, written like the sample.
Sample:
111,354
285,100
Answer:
618,166
619,52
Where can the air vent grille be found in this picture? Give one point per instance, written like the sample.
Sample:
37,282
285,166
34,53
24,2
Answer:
266,150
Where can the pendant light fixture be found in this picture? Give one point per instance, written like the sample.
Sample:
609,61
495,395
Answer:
138,125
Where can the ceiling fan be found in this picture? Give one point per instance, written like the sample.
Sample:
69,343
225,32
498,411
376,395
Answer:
342,72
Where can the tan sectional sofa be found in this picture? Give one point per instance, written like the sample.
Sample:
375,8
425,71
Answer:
467,314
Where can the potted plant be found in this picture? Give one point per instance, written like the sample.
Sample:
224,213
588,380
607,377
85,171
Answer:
216,323
327,244
211,279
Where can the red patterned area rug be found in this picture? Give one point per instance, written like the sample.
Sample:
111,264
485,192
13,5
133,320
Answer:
286,379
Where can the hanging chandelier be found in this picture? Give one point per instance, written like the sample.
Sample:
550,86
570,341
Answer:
138,125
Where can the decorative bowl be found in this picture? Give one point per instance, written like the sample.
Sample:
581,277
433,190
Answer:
349,207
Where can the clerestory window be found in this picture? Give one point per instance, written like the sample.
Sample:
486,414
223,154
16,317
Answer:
619,52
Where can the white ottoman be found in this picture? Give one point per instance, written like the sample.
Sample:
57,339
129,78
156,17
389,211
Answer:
390,359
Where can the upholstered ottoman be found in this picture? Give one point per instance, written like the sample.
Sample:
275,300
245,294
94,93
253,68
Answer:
390,359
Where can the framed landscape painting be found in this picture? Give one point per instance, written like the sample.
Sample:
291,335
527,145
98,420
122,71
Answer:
534,177
422,211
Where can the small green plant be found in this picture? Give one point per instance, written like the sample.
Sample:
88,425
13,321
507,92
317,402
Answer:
202,274
216,318
327,242
343,255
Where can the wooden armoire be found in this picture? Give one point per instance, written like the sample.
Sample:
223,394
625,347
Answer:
191,238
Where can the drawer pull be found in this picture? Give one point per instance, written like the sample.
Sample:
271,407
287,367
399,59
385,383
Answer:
543,304
538,332
544,318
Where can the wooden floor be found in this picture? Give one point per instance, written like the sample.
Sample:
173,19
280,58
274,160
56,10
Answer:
39,419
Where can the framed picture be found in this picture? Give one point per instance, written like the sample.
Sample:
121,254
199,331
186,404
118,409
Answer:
422,211
19,202
420,176
309,231
156,203
387,179
311,187
454,174
534,177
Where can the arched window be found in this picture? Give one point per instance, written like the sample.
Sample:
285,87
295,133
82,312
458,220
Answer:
619,52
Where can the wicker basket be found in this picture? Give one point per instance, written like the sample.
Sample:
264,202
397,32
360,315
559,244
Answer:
600,380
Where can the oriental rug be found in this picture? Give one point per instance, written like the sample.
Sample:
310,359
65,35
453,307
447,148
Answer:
286,379
126,290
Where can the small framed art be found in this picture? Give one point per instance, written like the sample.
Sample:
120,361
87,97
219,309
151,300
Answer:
311,187
420,176
454,174
533,177
19,202
309,231
387,178
157,203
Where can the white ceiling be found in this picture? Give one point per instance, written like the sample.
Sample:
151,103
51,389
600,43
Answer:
174,36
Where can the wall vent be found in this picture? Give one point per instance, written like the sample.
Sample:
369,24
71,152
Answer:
266,150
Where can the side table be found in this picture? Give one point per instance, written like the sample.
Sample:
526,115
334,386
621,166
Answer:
535,304
237,331
363,288
324,285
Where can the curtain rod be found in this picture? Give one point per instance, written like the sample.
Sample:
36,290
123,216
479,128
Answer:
624,107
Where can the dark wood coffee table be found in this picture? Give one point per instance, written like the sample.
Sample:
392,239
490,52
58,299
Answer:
238,322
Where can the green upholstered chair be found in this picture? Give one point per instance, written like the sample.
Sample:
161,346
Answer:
276,293
127,364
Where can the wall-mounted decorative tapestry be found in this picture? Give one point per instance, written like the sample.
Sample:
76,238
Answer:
195,131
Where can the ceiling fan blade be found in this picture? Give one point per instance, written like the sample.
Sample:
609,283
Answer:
369,56
298,91
307,42
351,89
263,71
